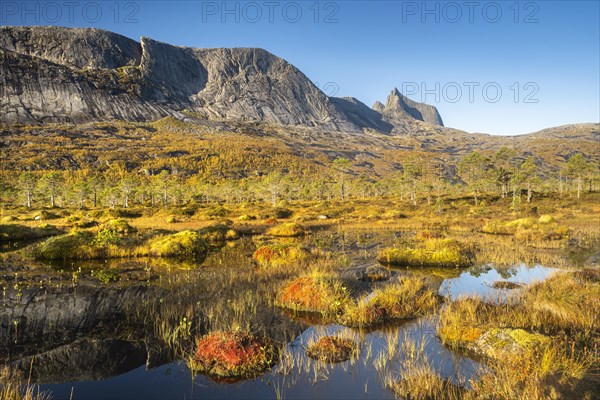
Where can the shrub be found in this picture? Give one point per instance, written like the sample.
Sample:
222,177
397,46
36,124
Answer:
427,234
429,253
106,237
45,215
183,245
282,213
216,211
233,355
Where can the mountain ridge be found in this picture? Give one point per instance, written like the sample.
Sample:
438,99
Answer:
49,74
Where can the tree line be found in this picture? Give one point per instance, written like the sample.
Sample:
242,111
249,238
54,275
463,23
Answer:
416,178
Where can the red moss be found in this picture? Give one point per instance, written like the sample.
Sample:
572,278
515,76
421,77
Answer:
302,293
264,254
233,354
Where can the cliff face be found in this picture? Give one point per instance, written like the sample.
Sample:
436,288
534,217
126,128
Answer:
51,74
400,107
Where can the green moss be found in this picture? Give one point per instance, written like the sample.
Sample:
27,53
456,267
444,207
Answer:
218,235
120,226
183,245
77,245
290,229
429,253
14,232
528,229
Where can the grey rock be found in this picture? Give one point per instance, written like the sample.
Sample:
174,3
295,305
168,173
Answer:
400,107
52,74
77,48
379,107
360,114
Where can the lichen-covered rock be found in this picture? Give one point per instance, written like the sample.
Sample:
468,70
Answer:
503,343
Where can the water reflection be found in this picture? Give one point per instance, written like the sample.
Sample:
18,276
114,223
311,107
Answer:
478,281
107,340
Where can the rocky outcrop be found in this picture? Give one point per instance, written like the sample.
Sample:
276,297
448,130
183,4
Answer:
360,114
76,48
399,107
34,90
52,74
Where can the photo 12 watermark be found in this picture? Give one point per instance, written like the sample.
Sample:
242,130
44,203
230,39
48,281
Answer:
471,92
253,12
331,89
452,12
68,12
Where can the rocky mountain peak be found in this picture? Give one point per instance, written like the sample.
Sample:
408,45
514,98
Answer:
54,74
399,106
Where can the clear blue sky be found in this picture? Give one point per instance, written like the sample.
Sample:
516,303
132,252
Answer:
544,51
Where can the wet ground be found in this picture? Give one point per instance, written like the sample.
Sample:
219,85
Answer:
107,351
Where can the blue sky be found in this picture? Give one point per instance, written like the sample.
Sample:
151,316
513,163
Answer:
500,67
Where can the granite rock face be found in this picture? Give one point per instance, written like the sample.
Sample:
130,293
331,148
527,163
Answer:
399,107
360,114
52,74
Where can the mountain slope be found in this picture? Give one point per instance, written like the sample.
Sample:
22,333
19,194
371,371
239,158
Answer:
53,74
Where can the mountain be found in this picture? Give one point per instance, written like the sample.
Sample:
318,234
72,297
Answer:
398,107
76,75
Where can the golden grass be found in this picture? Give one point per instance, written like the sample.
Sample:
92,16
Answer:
279,254
289,229
428,253
12,387
408,298
315,291
550,331
332,349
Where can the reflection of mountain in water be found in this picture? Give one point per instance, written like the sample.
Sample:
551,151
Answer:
81,332
85,359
